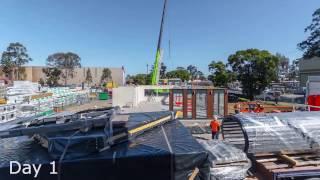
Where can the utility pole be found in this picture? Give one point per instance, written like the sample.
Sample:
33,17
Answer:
147,68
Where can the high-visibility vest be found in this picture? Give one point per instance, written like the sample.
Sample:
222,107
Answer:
215,125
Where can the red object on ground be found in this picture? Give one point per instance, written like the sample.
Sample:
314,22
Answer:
314,100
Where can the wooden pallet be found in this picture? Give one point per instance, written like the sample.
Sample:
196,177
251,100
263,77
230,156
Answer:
277,166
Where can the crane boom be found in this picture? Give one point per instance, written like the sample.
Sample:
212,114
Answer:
155,71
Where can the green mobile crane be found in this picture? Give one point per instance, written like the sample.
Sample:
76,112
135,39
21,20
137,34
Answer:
156,70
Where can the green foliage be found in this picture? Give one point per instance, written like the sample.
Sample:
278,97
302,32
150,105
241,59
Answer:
283,61
311,46
106,75
192,71
180,68
195,73
7,64
220,75
139,79
180,73
52,76
255,69
66,62
13,58
88,76
41,82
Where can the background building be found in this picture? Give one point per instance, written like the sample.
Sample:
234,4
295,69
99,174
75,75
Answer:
34,73
308,67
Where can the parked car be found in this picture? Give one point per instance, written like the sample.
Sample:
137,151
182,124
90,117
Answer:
233,98
269,95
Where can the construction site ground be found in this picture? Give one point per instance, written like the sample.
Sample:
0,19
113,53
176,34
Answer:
202,123
93,104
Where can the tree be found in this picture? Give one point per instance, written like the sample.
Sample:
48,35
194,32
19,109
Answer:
180,68
182,74
283,61
52,76
89,77
219,76
199,75
163,69
7,64
255,69
41,82
294,70
138,79
283,66
106,75
195,73
13,59
193,70
67,62
129,79
311,46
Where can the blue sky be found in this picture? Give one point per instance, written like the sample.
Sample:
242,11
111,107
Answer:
124,32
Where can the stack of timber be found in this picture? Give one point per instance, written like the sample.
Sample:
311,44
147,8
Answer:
288,165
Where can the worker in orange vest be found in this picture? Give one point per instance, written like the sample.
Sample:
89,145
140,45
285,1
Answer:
215,128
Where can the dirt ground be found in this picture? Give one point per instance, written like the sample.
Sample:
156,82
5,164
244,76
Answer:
91,105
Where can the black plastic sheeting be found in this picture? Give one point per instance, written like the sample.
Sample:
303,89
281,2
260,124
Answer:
165,152
75,144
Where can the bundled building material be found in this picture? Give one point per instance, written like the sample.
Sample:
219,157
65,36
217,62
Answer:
283,145
306,123
267,133
227,161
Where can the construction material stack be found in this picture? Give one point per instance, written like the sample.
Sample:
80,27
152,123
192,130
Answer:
281,145
227,161
139,145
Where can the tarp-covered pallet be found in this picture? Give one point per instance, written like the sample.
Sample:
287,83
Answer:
167,151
